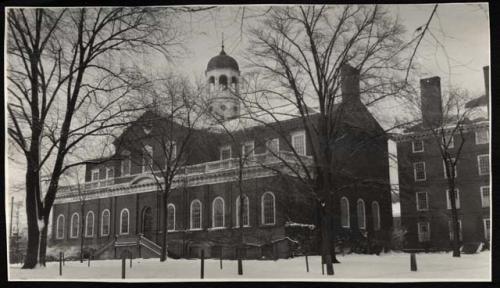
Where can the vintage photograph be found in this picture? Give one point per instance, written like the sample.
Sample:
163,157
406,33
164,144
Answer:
335,142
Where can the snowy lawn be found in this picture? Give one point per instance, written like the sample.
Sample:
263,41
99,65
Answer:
383,268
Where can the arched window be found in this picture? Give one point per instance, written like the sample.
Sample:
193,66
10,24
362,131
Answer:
124,217
195,214
171,217
376,215
105,223
344,213
223,81
234,82
268,208
89,224
60,227
211,80
361,214
218,213
75,225
246,209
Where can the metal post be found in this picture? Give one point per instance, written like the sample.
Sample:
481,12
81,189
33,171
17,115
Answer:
307,264
64,261
322,265
202,271
60,263
413,262
130,259
221,259
123,266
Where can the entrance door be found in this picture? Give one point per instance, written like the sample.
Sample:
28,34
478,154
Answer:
147,223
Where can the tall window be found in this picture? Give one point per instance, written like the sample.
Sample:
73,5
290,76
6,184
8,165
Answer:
486,224
450,164
89,224
299,142
147,158
268,208
482,137
424,231
448,199
125,163
245,211
105,223
60,227
218,213
171,217
485,196
483,163
417,146
124,219
376,215
361,214
95,175
170,152
344,213
75,225
419,171
273,146
225,152
450,229
247,150
195,214
110,172
422,201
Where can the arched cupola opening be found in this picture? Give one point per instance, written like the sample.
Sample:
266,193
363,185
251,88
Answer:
223,82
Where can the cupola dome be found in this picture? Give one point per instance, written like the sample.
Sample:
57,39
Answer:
222,61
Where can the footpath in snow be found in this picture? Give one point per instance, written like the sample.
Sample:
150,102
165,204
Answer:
390,267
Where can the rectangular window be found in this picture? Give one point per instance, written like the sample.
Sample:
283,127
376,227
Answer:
486,225
419,171
417,146
457,199
147,159
225,152
170,152
448,142
247,150
482,137
125,163
110,173
450,229
485,196
273,146
95,175
483,163
422,201
450,162
424,231
299,142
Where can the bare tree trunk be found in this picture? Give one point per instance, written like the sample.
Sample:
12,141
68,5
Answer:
325,240
454,217
30,260
43,241
163,255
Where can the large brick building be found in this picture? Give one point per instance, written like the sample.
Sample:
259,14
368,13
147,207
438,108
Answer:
424,195
123,206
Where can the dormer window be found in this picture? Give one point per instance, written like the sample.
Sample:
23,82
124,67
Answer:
299,142
95,175
225,152
273,146
247,150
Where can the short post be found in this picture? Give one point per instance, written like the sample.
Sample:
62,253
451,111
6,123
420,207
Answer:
63,259
202,270
60,263
89,261
307,264
413,262
322,265
220,260
130,259
123,266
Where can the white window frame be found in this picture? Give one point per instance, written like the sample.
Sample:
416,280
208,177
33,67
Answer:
457,199
94,172
296,134
348,213
450,230
146,151
71,225
413,146
478,139
426,201
376,216
247,204
191,215
364,213
415,171
87,224
268,146
479,163
487,232
483,202
444,168
250,153
61,216
420,236
108,222
107,172
263,219
224,148
223,213
126,161
170,206
121,222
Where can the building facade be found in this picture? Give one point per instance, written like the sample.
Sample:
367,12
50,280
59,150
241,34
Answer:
123,212
424,195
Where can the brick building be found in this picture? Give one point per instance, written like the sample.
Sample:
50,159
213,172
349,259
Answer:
123,207
424,195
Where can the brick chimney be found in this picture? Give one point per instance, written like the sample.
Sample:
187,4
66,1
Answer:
432,107
349,77
486,73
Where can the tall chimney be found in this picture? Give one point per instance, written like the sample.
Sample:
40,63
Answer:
349,77
432,107
486,73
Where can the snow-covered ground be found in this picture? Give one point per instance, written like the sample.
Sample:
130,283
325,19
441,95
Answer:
383,268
